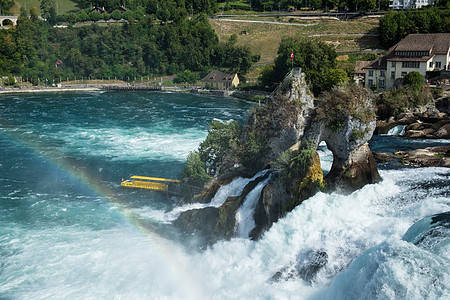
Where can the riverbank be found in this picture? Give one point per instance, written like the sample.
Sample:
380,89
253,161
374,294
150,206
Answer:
50,89
244,95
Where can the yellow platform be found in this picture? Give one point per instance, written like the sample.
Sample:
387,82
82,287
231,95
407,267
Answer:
150,183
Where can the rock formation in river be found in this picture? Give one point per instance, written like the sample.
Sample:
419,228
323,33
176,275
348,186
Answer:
283,136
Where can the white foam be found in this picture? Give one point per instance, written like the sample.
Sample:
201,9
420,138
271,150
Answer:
244,216
134,143
234,188
397,130
361,234
326,157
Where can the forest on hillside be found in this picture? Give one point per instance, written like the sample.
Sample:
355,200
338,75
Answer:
134,49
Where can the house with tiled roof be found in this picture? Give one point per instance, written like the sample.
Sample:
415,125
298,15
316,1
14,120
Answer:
220,80
360,72
416,52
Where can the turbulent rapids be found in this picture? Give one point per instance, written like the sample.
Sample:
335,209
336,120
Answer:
68,231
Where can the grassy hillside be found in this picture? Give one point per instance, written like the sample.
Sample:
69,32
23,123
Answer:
264,38
63,6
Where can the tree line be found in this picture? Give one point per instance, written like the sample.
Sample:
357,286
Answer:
395,25
134,49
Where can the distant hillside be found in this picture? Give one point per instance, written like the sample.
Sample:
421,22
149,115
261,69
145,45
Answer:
263,35
63,6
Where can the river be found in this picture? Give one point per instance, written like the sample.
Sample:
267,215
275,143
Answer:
69,231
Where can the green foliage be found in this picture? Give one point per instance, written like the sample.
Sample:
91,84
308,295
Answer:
436,92
399,100
335,77
255,147
335,106
5,5
358,133
414,80
362,5
9,81
222,138
314,57
194,172
300,164
138,48
48,11
395,25
187,76
283,160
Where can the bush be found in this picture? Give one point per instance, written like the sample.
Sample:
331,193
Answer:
395,102
335,106
414,80
194,172
187,76
222,138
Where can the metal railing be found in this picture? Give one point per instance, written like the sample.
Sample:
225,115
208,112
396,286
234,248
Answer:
294,73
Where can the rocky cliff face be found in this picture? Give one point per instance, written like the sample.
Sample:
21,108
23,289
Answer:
283,135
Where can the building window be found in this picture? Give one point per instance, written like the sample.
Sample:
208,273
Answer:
403,74
410,64
381,83
392,75
371,73
438,64
431,64
370,82
393,64
412,53
382,74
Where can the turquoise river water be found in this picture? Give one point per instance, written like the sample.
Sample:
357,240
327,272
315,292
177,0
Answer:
69,231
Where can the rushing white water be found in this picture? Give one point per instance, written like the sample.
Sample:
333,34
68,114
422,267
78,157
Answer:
68,231
244,216
234,188
326,158
362,236
397,130
159,142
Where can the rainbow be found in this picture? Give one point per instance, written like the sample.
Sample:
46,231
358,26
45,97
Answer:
167,252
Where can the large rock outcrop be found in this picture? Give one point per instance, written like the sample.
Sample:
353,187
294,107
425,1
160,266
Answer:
283,135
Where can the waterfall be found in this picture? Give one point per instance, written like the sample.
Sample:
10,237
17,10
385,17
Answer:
397,130
244,216
234,188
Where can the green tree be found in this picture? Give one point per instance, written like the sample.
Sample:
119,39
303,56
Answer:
314,57
48,11
116,15
194,171
187,76
95,16
222,138
335,77
414,80
5,5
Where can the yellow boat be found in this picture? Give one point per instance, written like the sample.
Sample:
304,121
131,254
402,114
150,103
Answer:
150,183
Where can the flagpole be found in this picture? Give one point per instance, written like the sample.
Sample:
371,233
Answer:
292,59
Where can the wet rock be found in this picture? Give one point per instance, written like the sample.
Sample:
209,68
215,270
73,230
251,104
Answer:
383,127
443,132
419,134
352,174
382,157
310,263
285,133
428,157
212,224
443,105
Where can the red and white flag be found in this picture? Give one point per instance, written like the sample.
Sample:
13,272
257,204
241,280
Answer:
292,55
